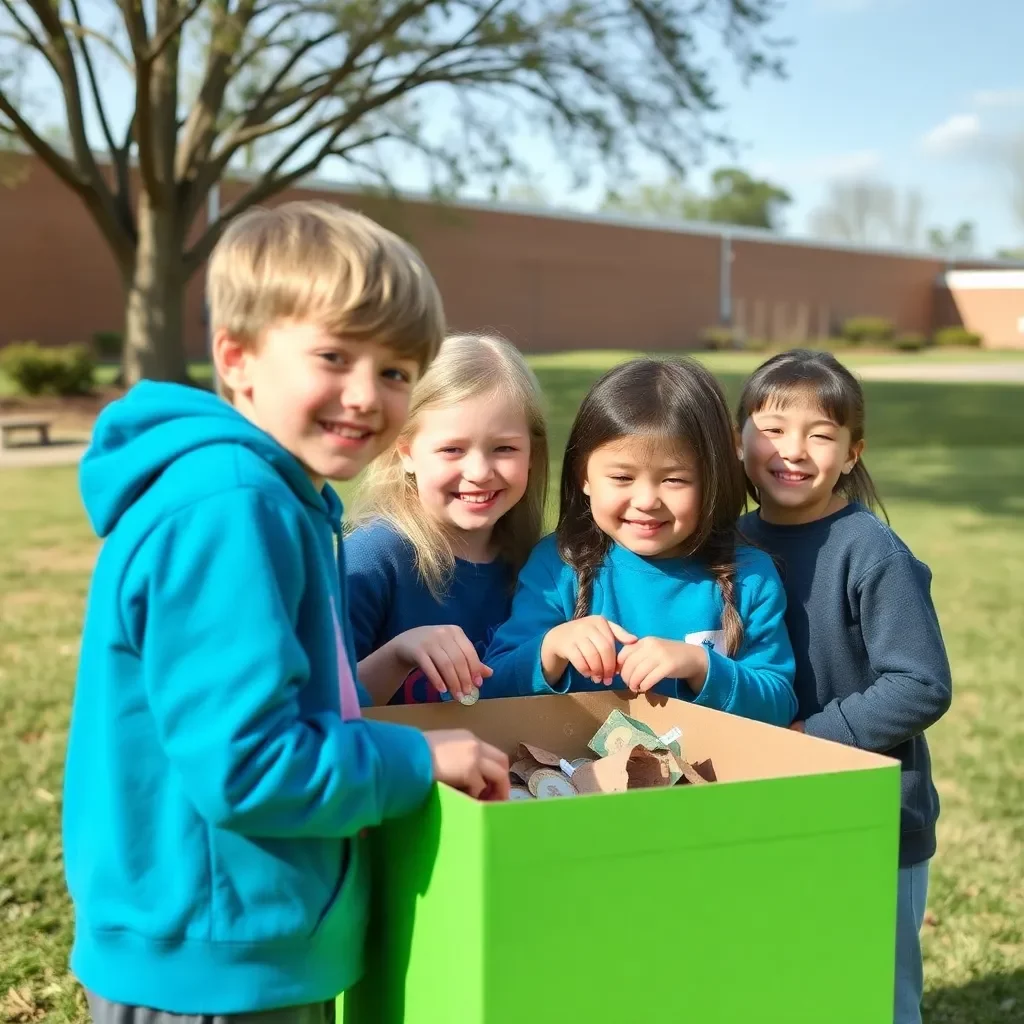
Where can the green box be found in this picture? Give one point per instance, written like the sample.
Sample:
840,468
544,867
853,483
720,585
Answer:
769,896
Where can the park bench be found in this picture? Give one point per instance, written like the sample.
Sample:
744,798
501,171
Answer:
11,424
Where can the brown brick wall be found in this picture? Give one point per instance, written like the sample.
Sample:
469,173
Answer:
549,283
795,293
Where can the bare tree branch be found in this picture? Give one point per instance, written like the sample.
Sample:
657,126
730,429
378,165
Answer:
270,183
60,166
78,29
134,15
200,128
98,198
30,37
168,31
83,46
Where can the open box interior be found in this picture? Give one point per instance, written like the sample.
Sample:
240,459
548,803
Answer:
740,749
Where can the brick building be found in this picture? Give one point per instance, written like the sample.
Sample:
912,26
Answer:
547,279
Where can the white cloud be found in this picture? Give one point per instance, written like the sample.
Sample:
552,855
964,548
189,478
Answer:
954,135
999,98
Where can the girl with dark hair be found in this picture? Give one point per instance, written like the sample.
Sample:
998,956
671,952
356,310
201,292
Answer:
871,668
643,585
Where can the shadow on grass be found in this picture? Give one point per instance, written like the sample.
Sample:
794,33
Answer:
994,999
949,444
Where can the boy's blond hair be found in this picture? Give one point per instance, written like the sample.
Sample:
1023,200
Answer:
310,260
468,366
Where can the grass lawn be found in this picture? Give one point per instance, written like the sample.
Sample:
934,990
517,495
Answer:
948,459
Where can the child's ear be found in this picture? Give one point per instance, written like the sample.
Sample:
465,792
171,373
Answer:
231,359
586,488
402,447
856,451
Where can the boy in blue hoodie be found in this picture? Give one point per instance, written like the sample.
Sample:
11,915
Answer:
218,770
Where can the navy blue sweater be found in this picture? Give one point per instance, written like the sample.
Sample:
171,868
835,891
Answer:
871,667
388,597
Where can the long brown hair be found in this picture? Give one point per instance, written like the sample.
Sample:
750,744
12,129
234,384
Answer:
678,401
800,374
468,366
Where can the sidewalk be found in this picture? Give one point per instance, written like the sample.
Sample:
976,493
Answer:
955,373
59,453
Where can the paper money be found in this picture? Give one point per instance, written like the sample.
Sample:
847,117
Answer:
619,731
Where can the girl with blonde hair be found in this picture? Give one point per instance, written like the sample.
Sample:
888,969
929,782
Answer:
444,521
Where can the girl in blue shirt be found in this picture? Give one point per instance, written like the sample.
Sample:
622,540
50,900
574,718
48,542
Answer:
644,584
445,521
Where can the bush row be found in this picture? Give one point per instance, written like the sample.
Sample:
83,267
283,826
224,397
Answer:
36,370
871,331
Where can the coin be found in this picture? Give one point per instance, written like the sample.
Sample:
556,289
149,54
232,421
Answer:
519,793
546,782
579,762
471,697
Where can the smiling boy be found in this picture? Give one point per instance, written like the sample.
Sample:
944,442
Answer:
219,772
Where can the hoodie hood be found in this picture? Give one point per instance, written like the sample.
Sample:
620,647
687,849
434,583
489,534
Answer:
138,436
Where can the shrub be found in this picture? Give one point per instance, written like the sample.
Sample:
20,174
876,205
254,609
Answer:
755,344
911,341
868,330
108,345
721,338
949,336
49,371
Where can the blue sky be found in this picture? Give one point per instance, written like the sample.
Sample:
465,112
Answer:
918,93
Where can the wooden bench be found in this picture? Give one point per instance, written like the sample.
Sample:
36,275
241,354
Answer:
11,424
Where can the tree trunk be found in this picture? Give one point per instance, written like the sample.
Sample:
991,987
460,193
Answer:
155,299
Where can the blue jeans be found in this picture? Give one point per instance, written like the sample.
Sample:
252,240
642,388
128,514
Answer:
912,894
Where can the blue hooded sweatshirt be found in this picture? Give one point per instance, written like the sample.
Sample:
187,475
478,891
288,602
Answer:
213,792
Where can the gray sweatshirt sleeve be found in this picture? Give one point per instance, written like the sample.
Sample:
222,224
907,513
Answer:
911,686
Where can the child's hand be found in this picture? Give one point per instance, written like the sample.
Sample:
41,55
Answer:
466,763
651,659
586,644
446,657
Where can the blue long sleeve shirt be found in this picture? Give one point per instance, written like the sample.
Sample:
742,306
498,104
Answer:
671,598
387,597
871,666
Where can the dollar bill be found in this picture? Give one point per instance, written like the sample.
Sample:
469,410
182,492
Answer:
619,732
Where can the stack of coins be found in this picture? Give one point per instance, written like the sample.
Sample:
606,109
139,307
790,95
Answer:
538,772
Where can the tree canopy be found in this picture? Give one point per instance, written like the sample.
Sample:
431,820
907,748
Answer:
735,198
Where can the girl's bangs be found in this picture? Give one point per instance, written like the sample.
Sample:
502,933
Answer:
781,387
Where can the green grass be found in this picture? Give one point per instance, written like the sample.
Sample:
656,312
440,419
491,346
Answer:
948,459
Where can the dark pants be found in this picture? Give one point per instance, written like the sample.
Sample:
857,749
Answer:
105,1012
